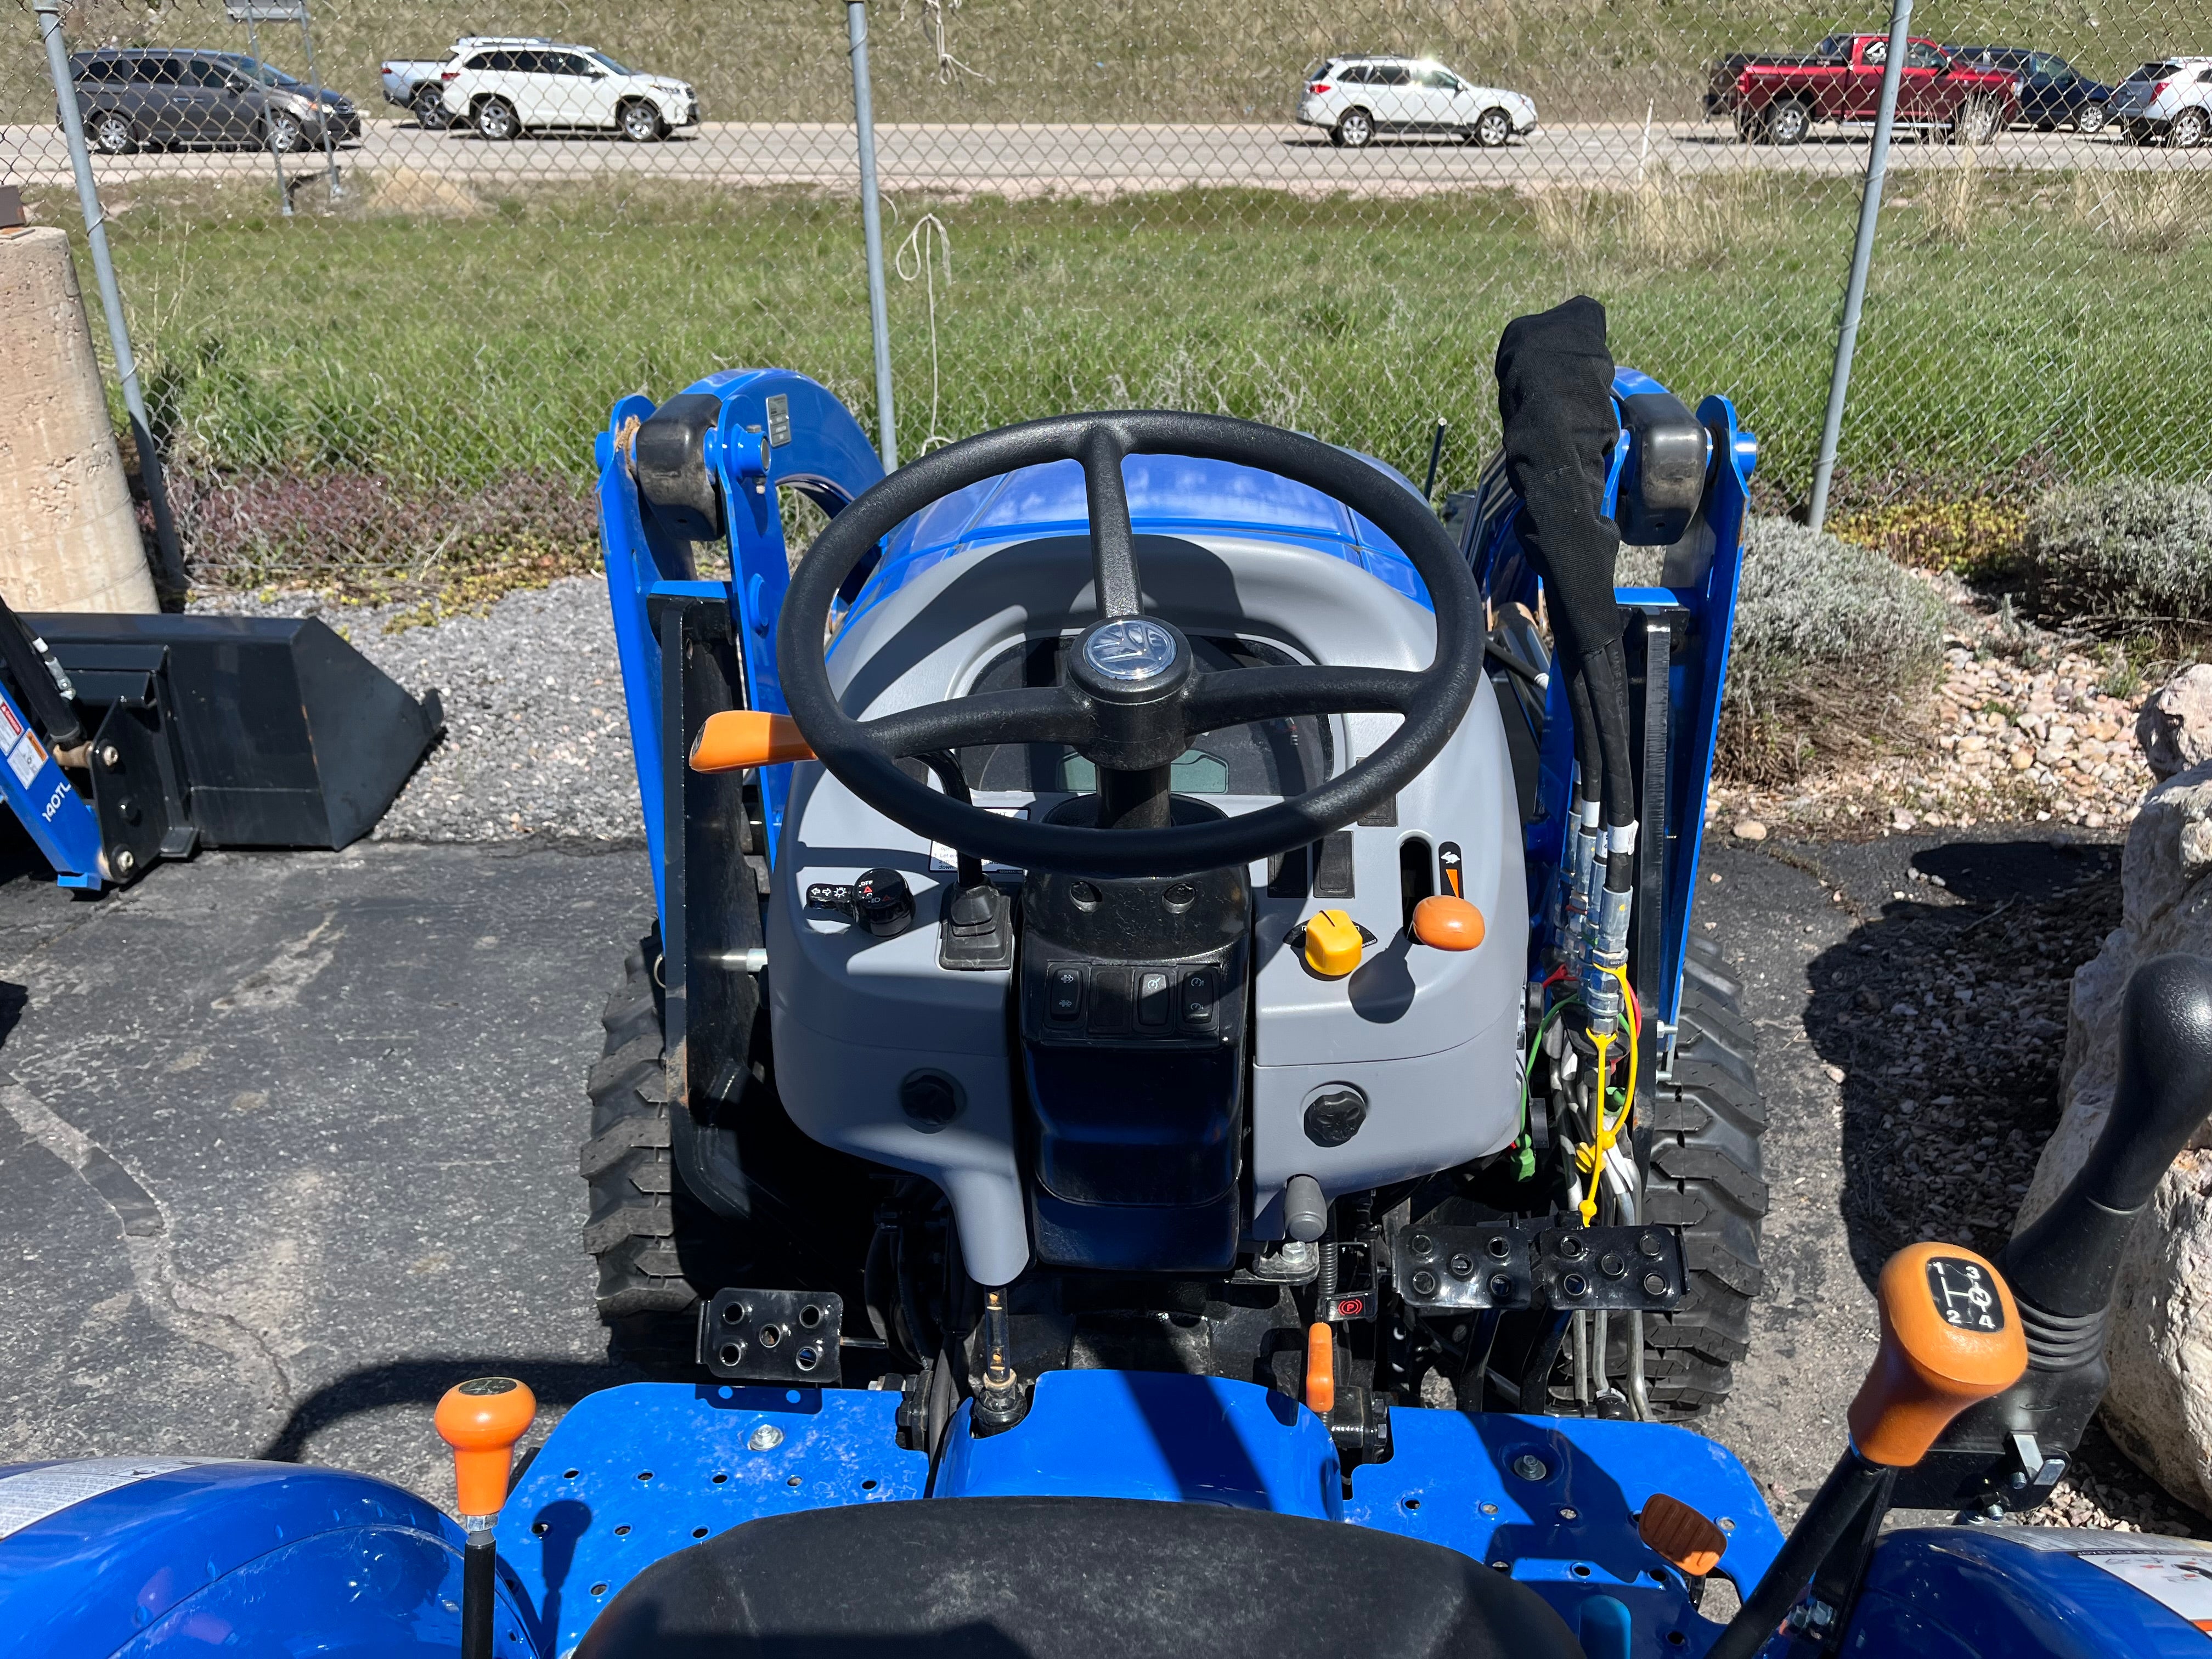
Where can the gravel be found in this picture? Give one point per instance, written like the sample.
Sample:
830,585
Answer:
537,739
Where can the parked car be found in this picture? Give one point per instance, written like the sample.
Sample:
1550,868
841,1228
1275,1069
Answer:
1776,100
2168,99
416,84
2052,92
503,91
1356,98
154,98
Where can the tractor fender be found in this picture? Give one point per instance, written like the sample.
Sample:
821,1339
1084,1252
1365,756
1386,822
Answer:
163,1555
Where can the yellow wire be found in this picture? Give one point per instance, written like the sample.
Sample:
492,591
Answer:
1590,1158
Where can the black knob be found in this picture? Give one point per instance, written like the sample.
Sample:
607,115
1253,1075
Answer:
882,902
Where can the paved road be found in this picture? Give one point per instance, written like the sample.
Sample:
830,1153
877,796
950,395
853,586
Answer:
287,1144
1092,158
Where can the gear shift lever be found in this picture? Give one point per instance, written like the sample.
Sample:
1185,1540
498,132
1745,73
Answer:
1951,1335
481,1419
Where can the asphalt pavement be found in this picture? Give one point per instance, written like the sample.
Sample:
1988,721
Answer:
1088,158
288,1143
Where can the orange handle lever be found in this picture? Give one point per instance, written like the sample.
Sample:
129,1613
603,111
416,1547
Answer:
739,738
1445,923
1321,1368
481,1419
1950,1337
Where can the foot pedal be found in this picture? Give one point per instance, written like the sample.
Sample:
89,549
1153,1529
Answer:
774,1336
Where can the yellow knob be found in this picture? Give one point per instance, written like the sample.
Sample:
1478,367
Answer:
1332,945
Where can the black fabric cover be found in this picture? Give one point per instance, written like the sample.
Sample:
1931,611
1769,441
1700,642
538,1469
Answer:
1069,1578
1555,402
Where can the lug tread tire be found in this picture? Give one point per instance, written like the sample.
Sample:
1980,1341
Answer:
1708,1178
642,1225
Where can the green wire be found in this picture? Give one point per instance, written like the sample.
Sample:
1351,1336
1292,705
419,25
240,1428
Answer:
1525,1154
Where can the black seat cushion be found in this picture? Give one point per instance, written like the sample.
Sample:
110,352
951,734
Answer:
1069,1578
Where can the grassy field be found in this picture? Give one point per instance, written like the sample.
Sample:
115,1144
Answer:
469,347
1132,60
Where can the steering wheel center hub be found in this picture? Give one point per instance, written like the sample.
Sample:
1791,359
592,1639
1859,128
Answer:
1131,651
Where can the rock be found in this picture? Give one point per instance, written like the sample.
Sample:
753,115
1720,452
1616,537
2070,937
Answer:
2175,726
2159,1408
1750,829
1901,819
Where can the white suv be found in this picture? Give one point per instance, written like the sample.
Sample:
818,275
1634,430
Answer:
502,90
1356,98
2170,98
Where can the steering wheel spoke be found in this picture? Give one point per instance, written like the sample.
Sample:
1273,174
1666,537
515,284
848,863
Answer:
1046,714
1113,542
1238,694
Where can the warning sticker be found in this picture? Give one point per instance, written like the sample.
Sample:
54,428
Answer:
2180,1579
25,759
942,857
10,727
29,1498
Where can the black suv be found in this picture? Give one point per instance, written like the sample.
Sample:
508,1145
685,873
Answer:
2052,92
155,98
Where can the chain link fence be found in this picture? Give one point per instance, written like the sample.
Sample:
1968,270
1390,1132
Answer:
379,365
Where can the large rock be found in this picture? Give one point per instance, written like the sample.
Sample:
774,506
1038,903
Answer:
2175,726
2160,1406
69,536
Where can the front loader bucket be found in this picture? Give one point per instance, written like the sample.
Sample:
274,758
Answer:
234,732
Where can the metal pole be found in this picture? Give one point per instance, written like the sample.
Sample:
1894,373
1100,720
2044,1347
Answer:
871,230
111,296
1847,337
261,82
315,84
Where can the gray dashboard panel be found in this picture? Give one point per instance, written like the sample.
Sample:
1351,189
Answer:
1430,1036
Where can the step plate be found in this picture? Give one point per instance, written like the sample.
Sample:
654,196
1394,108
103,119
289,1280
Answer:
772,1336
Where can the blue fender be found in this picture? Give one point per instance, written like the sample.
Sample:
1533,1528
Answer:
252,1558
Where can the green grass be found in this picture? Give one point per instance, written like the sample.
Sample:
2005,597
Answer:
437,353
1137,60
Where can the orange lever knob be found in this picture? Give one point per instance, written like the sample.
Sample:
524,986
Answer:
1679,1535
1321,1368
1951,1336
481,1419
740,738
1447,923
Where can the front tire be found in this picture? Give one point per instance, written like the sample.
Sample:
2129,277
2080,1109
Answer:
2189,128
284,134
1787,123
1354,130
496,121
112,133
1492,128
1708,1178
2089,118
641,122
661,1249
429,106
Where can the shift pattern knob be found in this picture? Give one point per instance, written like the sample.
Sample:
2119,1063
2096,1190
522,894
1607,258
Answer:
1950,1336
481,1419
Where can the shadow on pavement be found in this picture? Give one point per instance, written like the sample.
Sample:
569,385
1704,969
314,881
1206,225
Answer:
423,1383
1945,1010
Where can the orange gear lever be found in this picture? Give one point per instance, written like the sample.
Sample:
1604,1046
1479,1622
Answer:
481,1419
1445,923
1951,1336
739,738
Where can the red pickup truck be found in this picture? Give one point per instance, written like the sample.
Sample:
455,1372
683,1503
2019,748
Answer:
1776,100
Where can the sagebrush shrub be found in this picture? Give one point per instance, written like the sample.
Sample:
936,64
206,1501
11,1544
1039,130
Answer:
2127,555
1832,644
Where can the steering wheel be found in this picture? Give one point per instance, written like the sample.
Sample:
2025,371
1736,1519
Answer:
1131,702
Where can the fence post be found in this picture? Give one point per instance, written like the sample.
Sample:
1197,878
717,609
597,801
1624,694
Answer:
1847,337
111,296
871,230
261,85
330,144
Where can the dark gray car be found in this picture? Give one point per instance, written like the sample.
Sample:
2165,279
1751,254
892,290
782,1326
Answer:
157,98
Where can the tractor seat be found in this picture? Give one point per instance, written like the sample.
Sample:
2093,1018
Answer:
1069,1578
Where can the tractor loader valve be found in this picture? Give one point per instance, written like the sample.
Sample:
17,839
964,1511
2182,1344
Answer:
1951,1336
2008,1453
482,1419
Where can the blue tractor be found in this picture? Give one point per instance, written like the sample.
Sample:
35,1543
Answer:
1169,1106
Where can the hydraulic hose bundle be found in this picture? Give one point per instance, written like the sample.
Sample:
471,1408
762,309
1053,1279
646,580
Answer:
1555,401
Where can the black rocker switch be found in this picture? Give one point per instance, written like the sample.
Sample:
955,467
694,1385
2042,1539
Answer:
1063,994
